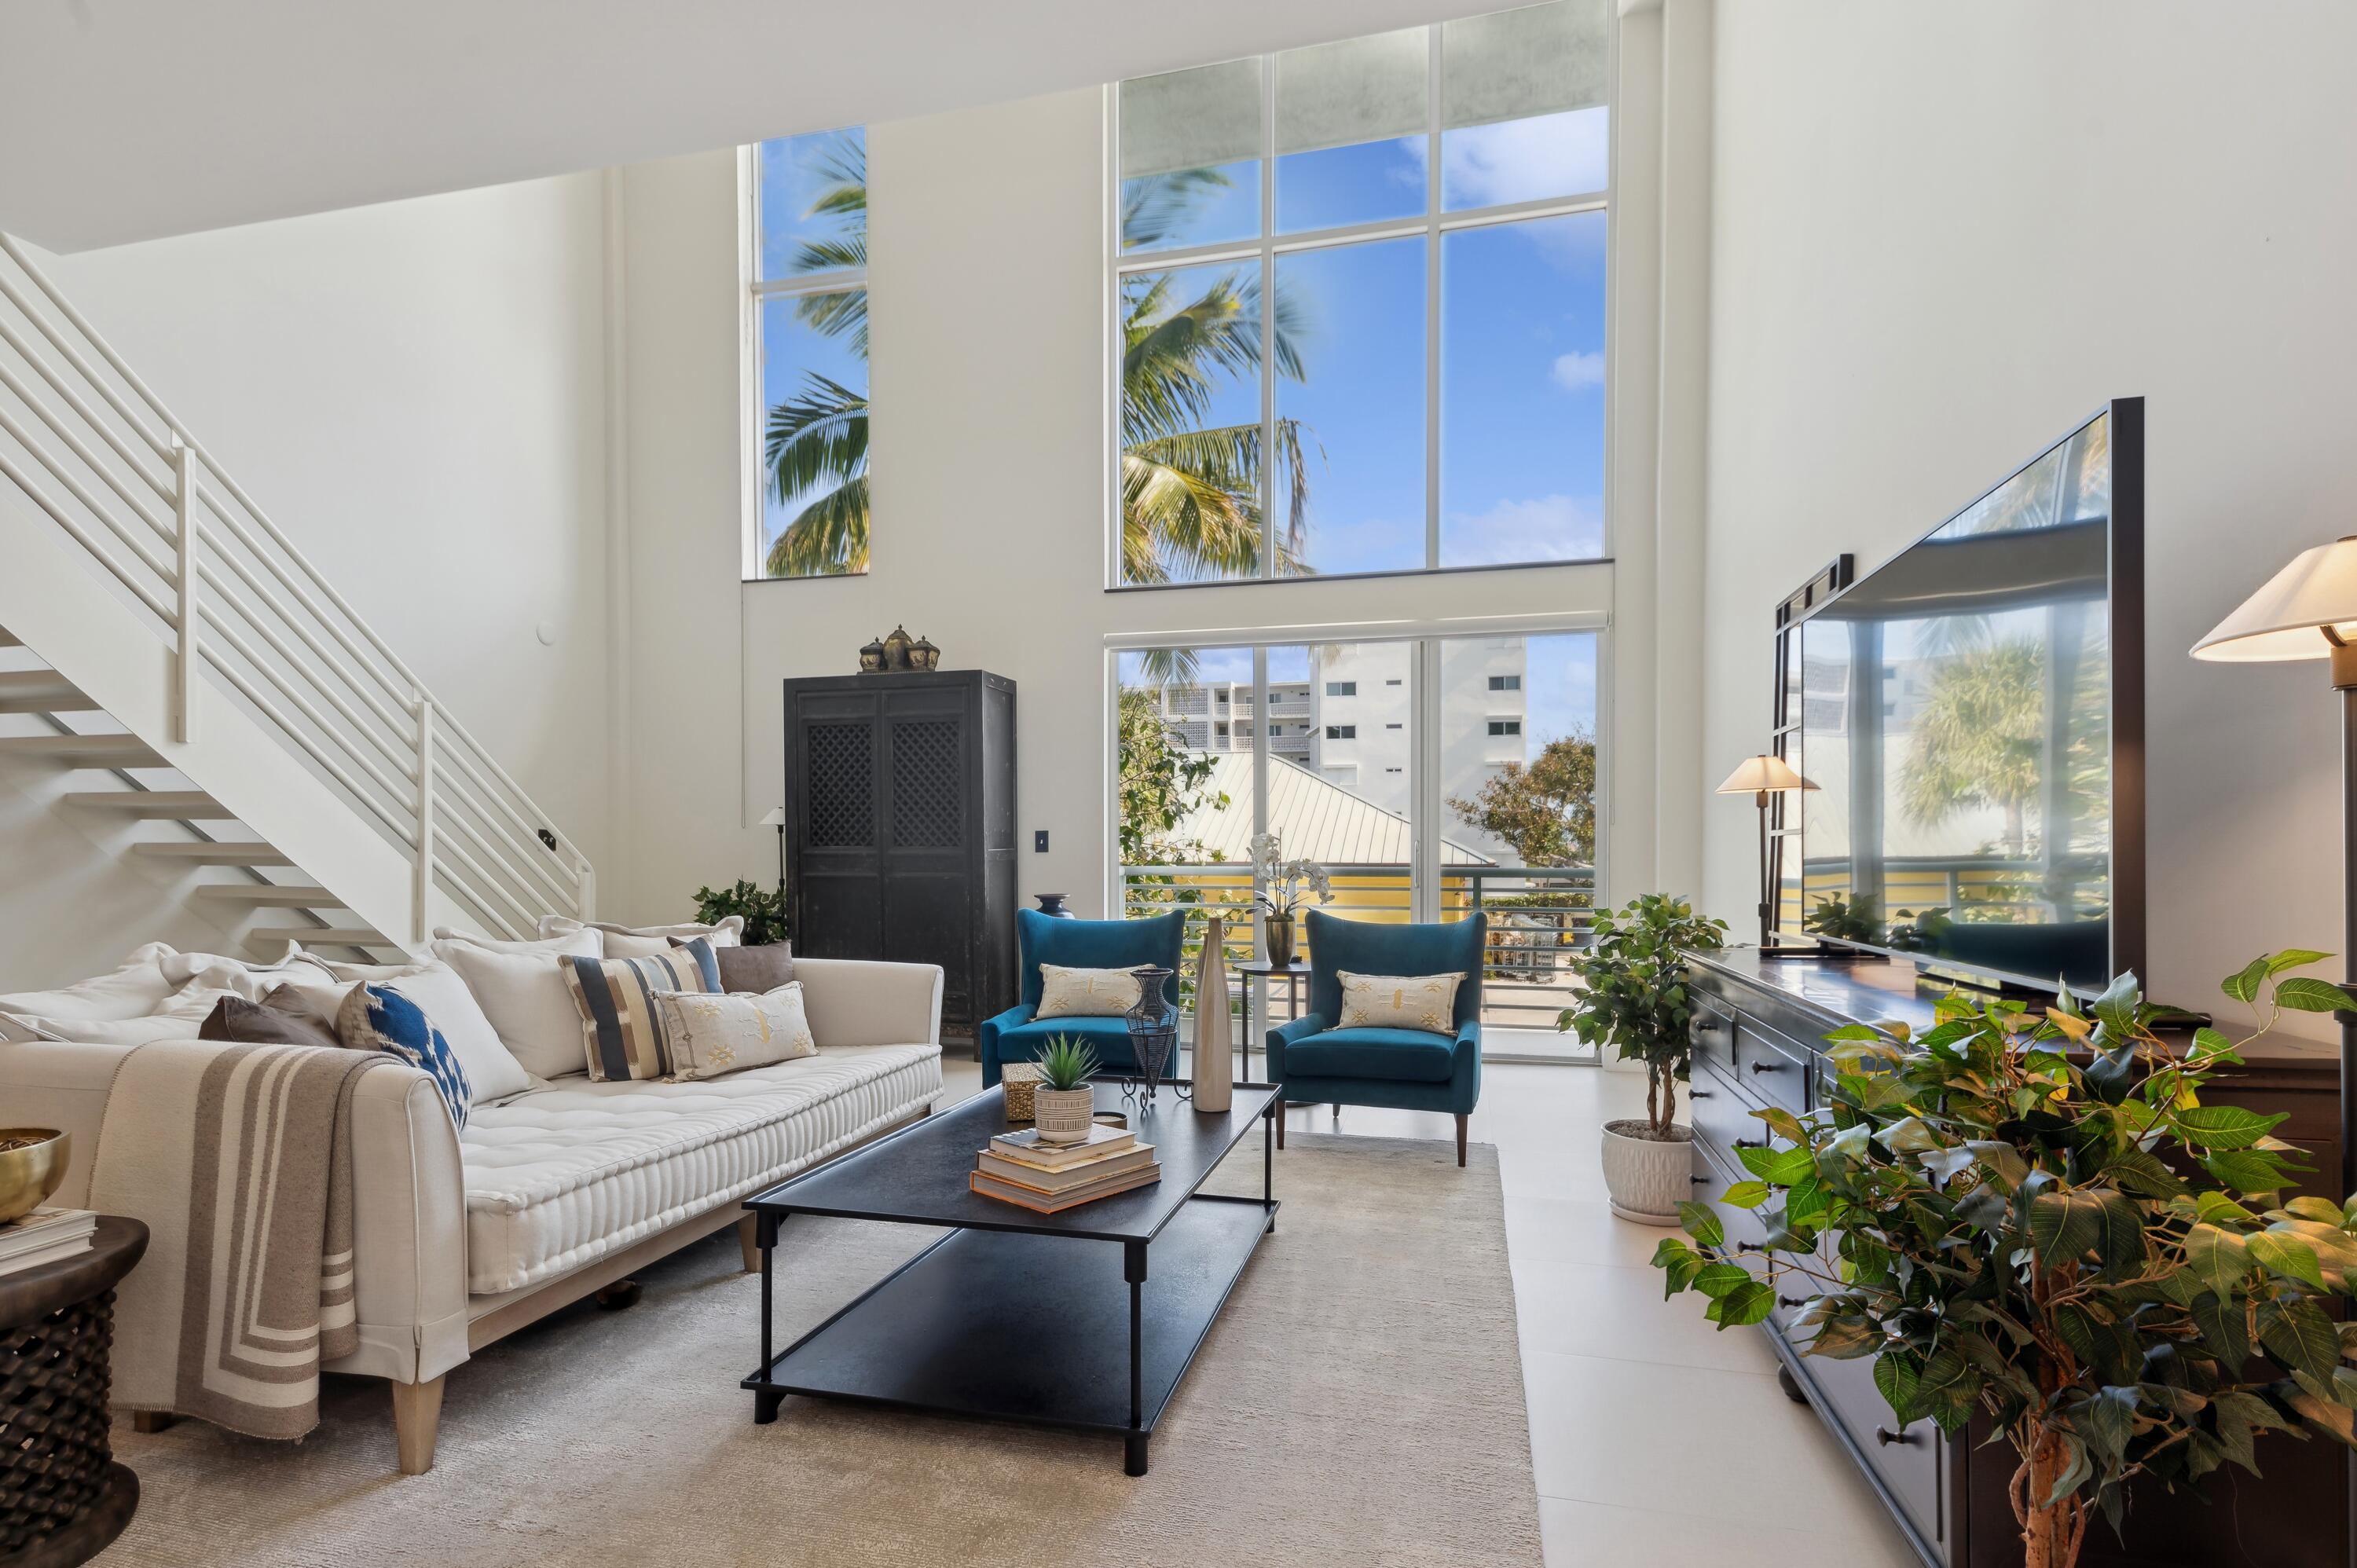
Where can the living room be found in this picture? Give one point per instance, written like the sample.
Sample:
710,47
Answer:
447,536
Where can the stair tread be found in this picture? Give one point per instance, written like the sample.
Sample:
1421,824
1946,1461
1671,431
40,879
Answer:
320,936
181,805
123,750
202,853
285,895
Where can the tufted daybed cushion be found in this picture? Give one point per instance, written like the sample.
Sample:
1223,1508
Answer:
562,1176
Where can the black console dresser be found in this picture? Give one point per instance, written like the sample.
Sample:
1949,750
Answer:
1758,1034
900,828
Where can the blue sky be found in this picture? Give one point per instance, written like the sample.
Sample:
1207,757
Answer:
1522,344
792,180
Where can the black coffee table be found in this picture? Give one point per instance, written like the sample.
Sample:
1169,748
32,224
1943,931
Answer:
1043,1319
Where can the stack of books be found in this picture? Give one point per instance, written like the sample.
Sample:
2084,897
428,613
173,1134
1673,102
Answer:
1046,1178
46,1236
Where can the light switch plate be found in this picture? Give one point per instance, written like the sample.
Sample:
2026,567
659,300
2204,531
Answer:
1040,842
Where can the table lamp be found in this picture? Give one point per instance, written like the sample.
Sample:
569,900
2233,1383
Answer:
776,819
2308,610
1761,777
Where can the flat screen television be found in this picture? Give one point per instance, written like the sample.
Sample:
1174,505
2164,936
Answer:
1972,715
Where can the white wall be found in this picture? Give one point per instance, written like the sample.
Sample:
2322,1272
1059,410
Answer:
413,393
1943,236
989,483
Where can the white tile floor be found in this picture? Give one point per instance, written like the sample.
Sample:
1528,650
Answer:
1655,1439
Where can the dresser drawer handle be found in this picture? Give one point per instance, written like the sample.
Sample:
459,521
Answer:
1765,1067
1750,1247
1699,1180
1792,1301
1750,1143
1885,1436
1698,1094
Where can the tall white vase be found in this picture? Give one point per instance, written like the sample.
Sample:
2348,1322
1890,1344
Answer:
1215,1050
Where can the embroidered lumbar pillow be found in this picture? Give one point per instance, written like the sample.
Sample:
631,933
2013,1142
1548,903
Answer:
622,1030
1426,1001
709,1036
376,1017
1085,992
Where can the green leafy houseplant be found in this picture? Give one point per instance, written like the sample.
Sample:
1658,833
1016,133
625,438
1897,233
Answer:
763,909
1066,1063
1843,919
2037,1216
1633,995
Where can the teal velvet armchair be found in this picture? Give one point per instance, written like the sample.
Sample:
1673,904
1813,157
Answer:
1311,1059
1016,1034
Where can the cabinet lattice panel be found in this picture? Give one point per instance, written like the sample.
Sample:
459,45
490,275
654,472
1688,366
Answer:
842,786
928,784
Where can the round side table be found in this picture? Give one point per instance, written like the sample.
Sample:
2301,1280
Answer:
63,1496
1293,974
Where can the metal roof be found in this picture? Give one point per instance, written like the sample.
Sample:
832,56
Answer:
1318,819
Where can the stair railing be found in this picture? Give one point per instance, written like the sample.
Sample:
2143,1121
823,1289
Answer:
86,441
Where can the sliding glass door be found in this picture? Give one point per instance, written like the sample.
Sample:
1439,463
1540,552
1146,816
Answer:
1429,777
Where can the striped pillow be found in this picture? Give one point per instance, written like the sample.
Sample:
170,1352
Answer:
621,1028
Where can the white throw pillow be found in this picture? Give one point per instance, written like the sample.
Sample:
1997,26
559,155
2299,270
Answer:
442,994
177,1017
708,1036
522,993
134,989
647,941
1426,1001
1085,992
251,981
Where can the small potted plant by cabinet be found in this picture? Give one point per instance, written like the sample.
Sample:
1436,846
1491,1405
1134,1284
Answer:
1633,997
1063,1106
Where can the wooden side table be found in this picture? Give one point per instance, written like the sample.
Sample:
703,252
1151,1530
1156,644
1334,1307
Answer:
63,1496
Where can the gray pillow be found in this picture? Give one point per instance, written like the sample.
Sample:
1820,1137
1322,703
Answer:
280,1018
764,968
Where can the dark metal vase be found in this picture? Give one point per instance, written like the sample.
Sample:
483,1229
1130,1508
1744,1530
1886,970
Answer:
1279,940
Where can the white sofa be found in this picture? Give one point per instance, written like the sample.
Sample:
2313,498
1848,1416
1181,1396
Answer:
462,1238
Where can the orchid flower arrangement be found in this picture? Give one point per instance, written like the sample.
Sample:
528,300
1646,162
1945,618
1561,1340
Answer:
1282,885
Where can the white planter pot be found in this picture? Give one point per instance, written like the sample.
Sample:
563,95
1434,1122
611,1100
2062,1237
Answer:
1647,1178
1063,1115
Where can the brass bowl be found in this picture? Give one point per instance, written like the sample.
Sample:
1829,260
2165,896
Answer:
32,1165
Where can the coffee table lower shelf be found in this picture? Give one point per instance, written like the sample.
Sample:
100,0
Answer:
1038,1330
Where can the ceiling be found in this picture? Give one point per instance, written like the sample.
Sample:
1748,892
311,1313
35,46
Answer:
125,120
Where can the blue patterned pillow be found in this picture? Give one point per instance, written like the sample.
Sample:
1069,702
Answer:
379,1019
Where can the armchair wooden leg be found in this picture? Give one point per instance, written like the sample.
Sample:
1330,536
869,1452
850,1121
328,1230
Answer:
152,1421
1460,1140
416,1414
749,1242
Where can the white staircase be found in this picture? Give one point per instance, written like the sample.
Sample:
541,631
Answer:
251,739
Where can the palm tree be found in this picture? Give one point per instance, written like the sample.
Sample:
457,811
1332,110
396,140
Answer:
1190,493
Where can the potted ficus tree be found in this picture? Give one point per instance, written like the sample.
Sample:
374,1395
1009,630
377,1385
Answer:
1633,997
2037,1215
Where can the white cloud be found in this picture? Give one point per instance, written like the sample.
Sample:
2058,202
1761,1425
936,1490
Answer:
1578,370
1541,528
1525,160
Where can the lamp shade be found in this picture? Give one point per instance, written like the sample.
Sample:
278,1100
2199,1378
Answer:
1763,772
776,819
2300,612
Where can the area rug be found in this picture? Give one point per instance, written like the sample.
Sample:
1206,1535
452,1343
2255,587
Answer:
1360,1402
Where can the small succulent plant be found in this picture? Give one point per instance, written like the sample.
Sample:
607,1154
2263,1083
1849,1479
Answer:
1066,1063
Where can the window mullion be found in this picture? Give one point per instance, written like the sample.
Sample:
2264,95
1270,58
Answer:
1267,325
1432,299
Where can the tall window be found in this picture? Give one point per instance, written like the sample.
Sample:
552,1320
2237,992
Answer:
1362,306
1457,796
808,514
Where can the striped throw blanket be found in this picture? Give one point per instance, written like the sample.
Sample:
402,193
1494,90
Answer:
239,1159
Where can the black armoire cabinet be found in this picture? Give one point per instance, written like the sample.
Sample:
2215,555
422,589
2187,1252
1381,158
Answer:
901,836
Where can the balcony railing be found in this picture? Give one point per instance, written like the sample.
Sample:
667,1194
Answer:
1538,917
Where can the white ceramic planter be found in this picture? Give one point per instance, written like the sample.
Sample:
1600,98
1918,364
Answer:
1062,1115
1647,1178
